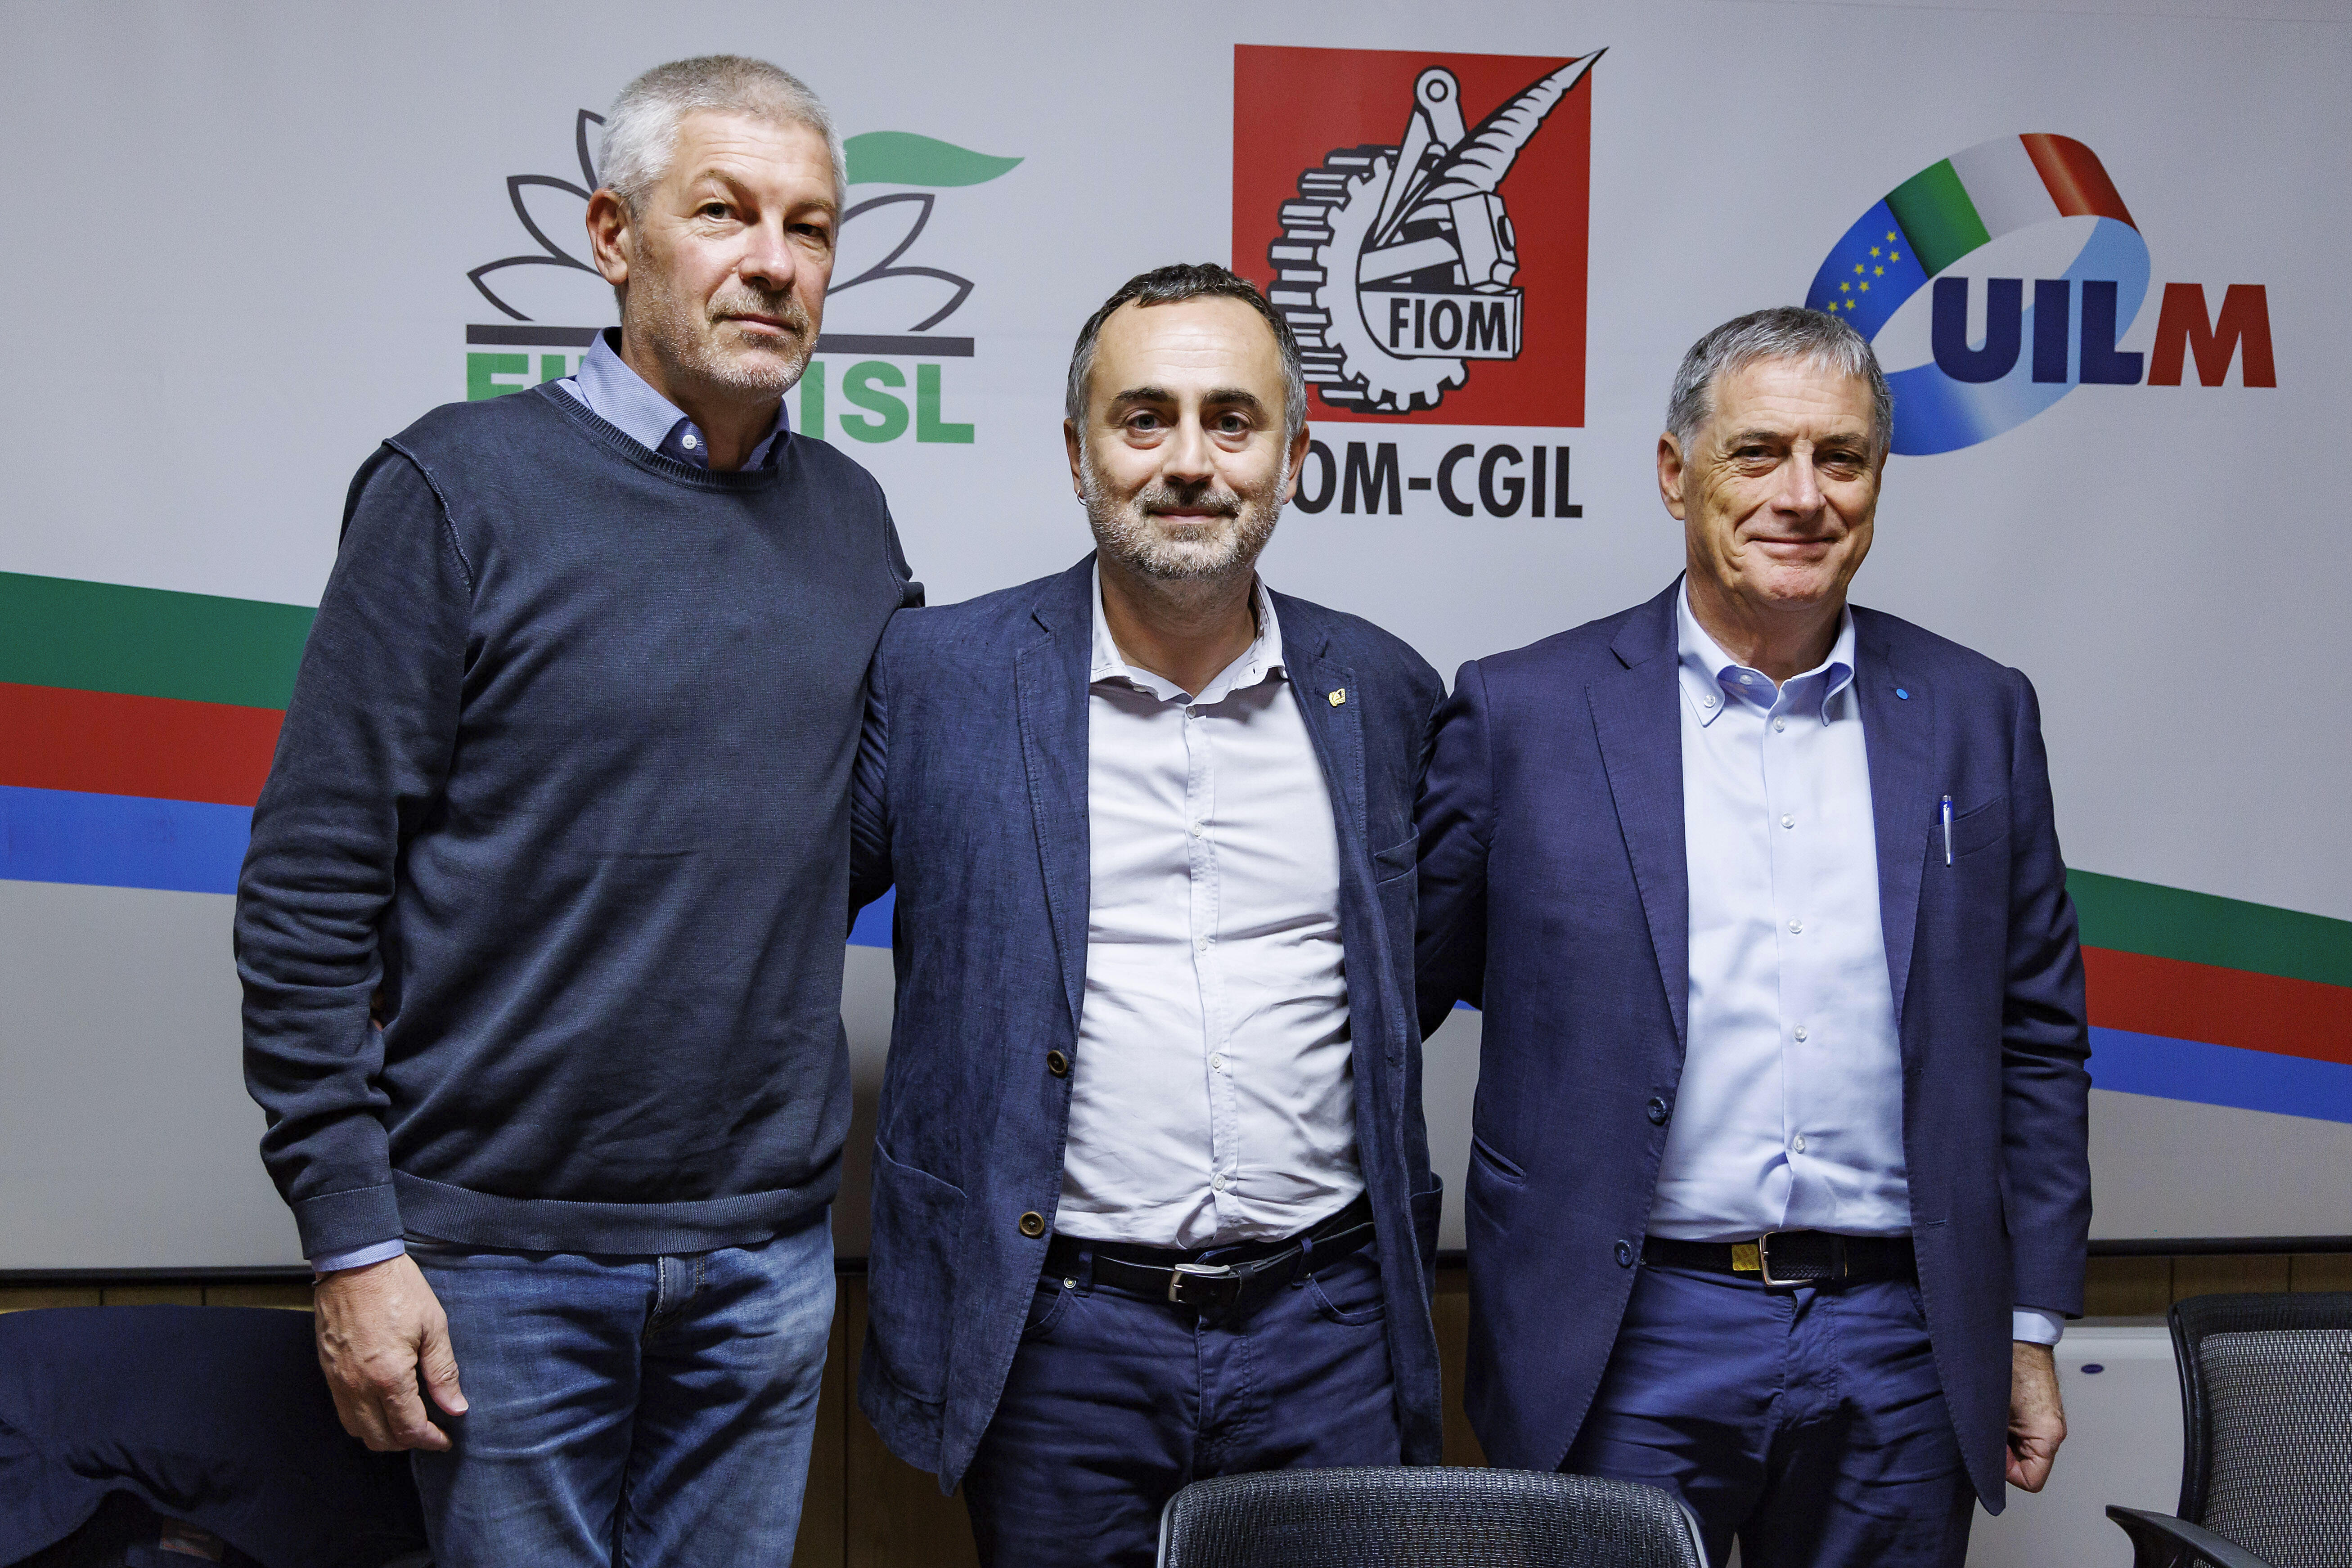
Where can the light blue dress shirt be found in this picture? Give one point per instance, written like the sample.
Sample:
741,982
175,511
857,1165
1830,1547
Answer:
621,397
1789,1114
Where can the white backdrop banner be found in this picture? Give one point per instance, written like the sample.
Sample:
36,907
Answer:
2100,254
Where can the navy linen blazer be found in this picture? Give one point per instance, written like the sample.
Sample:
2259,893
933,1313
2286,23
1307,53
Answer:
971,791
1555,886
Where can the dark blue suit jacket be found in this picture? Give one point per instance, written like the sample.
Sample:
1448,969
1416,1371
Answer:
972,791
1554,886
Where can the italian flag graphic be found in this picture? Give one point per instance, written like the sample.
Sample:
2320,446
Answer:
1949,209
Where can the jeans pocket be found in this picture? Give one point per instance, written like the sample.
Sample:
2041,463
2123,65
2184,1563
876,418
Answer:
1046,1306
1349,1291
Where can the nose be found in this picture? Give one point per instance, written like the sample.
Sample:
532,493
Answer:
1189,458
768,260
1801,485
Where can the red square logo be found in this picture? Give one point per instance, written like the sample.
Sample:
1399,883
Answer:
1420,219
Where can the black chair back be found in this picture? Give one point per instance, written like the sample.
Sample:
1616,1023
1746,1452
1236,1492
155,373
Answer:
2266,1408
1425,1517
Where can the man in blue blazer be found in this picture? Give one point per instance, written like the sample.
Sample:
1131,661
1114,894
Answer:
1151,1190
1780,1182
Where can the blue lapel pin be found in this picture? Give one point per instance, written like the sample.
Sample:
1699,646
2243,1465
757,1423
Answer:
1903,694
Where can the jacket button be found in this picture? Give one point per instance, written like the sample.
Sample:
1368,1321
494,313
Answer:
1624,1252
1057,1064
1657,1111
1033,1223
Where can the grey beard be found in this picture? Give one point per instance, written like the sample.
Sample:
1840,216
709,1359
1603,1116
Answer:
692,352
1125,532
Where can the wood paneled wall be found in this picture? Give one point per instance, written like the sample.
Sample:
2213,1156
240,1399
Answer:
867,1509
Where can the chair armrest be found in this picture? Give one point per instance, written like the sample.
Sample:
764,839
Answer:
2158,1540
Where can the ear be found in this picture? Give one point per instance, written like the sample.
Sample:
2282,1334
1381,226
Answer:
1671,473
1297,460
611,236
1070,441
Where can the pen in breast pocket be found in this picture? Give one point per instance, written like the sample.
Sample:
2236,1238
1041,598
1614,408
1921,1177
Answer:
1947,830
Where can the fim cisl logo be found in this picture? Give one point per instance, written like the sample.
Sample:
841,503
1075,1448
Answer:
1421,221
890,307
2029,355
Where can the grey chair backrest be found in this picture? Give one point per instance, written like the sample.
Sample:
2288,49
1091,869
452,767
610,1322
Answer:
1425,1517
2266,1408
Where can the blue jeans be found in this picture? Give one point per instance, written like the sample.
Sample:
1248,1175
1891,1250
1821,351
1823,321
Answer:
628,1410
1114,1403
1810,1424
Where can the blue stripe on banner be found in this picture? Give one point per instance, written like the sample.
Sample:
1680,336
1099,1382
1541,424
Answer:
122,840
872,928
2220,1075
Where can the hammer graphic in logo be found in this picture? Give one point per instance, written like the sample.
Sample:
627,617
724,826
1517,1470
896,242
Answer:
1395,264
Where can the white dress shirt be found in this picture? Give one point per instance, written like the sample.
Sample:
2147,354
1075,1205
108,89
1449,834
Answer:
1790,1115
1213,1100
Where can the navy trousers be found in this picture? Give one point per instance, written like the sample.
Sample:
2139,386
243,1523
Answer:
1114,1403
1808,1424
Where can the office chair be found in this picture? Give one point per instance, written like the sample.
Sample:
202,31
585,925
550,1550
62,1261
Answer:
1425,1517
2266,1455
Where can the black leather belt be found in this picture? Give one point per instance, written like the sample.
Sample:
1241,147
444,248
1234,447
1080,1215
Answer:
1792,1258
1212,1279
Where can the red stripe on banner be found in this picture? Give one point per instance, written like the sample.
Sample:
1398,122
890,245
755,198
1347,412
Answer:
2219,1006
102,743
2077,180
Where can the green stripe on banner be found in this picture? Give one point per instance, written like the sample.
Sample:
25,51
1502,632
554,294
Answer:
2197,928
146,642
1934,209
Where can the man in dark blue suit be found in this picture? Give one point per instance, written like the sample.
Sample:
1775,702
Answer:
1779,1184
1151,1190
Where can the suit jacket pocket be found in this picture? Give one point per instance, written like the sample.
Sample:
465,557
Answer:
1397,860
918,1222
1980,827
1482,1151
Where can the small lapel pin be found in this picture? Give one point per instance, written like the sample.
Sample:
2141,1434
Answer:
1339,697
1903,694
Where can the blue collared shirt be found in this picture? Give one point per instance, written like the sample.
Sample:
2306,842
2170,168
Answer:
1789,1114
620,396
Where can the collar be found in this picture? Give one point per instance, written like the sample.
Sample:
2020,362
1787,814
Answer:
1710,677
1262,660
618,395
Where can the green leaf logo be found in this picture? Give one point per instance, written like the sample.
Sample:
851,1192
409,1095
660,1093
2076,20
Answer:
903,158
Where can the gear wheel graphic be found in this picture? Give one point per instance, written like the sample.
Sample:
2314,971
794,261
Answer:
1324,233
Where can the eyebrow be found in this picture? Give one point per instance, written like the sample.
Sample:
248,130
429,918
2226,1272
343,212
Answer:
1223,396
1772,438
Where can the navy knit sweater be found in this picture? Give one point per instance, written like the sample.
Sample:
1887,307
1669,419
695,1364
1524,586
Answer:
561,802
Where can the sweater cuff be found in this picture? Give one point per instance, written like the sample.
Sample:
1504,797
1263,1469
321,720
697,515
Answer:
2034,1326
344,1222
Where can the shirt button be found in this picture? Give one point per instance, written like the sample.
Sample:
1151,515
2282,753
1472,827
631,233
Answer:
1800,1144
1800,1033
1217,1062
1196,830
1796,928
1780,723
1217,1182
1033,1225
686,442
1746,680
1707,701
1201,942
1788,822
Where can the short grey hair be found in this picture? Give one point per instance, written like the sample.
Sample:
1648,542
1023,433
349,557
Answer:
641,131
1168,286
1783,333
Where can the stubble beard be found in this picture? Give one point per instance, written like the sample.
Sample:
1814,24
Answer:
1128,533
684,333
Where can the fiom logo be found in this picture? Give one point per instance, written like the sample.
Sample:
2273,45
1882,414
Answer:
1420,219
891,310
1973,385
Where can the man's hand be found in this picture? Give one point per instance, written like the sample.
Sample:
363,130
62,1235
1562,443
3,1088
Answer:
2037,1422
378,1328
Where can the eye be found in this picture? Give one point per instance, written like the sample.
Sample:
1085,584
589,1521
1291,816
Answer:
712,210
1143,422
1233,425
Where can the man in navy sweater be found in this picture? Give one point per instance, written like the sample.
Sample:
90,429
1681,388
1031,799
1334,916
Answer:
540,927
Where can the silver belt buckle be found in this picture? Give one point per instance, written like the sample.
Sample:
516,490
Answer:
1764,1259
1206,1273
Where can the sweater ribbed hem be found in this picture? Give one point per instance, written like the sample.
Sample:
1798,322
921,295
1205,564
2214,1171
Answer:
444,1213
